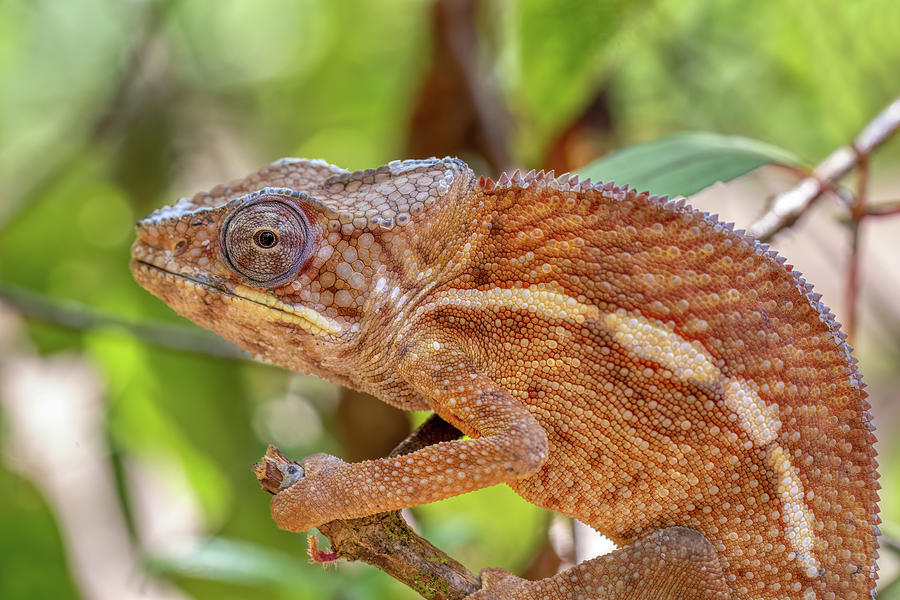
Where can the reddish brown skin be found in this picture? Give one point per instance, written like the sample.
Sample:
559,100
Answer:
614,356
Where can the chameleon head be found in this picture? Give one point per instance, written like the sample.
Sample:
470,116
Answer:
244,270
286,263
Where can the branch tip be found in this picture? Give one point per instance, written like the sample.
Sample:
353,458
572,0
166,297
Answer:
276,472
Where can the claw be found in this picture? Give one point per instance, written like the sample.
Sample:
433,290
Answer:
326,558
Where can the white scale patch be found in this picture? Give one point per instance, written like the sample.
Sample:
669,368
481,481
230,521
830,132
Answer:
798,520
690,360
653,342
543,302
758,418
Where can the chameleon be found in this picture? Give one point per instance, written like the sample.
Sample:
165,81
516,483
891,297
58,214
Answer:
611,355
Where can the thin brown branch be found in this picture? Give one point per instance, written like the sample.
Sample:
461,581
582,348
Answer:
385,540
789,206
843,197
857,213
887,208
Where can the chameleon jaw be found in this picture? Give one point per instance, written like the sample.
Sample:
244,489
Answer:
149,276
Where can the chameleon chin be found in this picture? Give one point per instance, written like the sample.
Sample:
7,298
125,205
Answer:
614,356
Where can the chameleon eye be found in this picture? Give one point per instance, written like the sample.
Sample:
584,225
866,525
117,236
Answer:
266,242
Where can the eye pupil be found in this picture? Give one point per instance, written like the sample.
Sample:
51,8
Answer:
266,239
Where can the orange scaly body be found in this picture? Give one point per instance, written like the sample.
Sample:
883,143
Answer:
613,356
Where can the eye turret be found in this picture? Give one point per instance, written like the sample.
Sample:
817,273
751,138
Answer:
266,242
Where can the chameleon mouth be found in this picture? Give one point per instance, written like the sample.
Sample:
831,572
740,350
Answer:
139,266
148,276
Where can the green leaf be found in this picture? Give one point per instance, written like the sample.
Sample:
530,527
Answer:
233,562
224,559
685,163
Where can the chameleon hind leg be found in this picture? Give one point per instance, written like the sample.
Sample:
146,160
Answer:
675,563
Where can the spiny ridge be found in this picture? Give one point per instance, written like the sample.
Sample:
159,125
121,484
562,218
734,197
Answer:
563,182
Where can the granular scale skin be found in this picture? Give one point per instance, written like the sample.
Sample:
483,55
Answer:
614,356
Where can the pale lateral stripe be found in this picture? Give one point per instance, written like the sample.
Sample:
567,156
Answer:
690,360
798,519
758,418
546,303
654,342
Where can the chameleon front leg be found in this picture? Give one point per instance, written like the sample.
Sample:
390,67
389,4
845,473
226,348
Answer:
674,563
507,443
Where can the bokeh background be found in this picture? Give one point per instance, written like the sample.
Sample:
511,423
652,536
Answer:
128,433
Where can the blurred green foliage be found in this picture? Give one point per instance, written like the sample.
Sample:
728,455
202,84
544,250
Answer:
109,109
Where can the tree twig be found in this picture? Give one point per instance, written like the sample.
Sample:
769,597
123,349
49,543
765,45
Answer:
857,214
789,206
384,540
883,209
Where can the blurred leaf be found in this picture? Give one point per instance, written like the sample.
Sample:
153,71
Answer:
228,560
234,562
685,163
